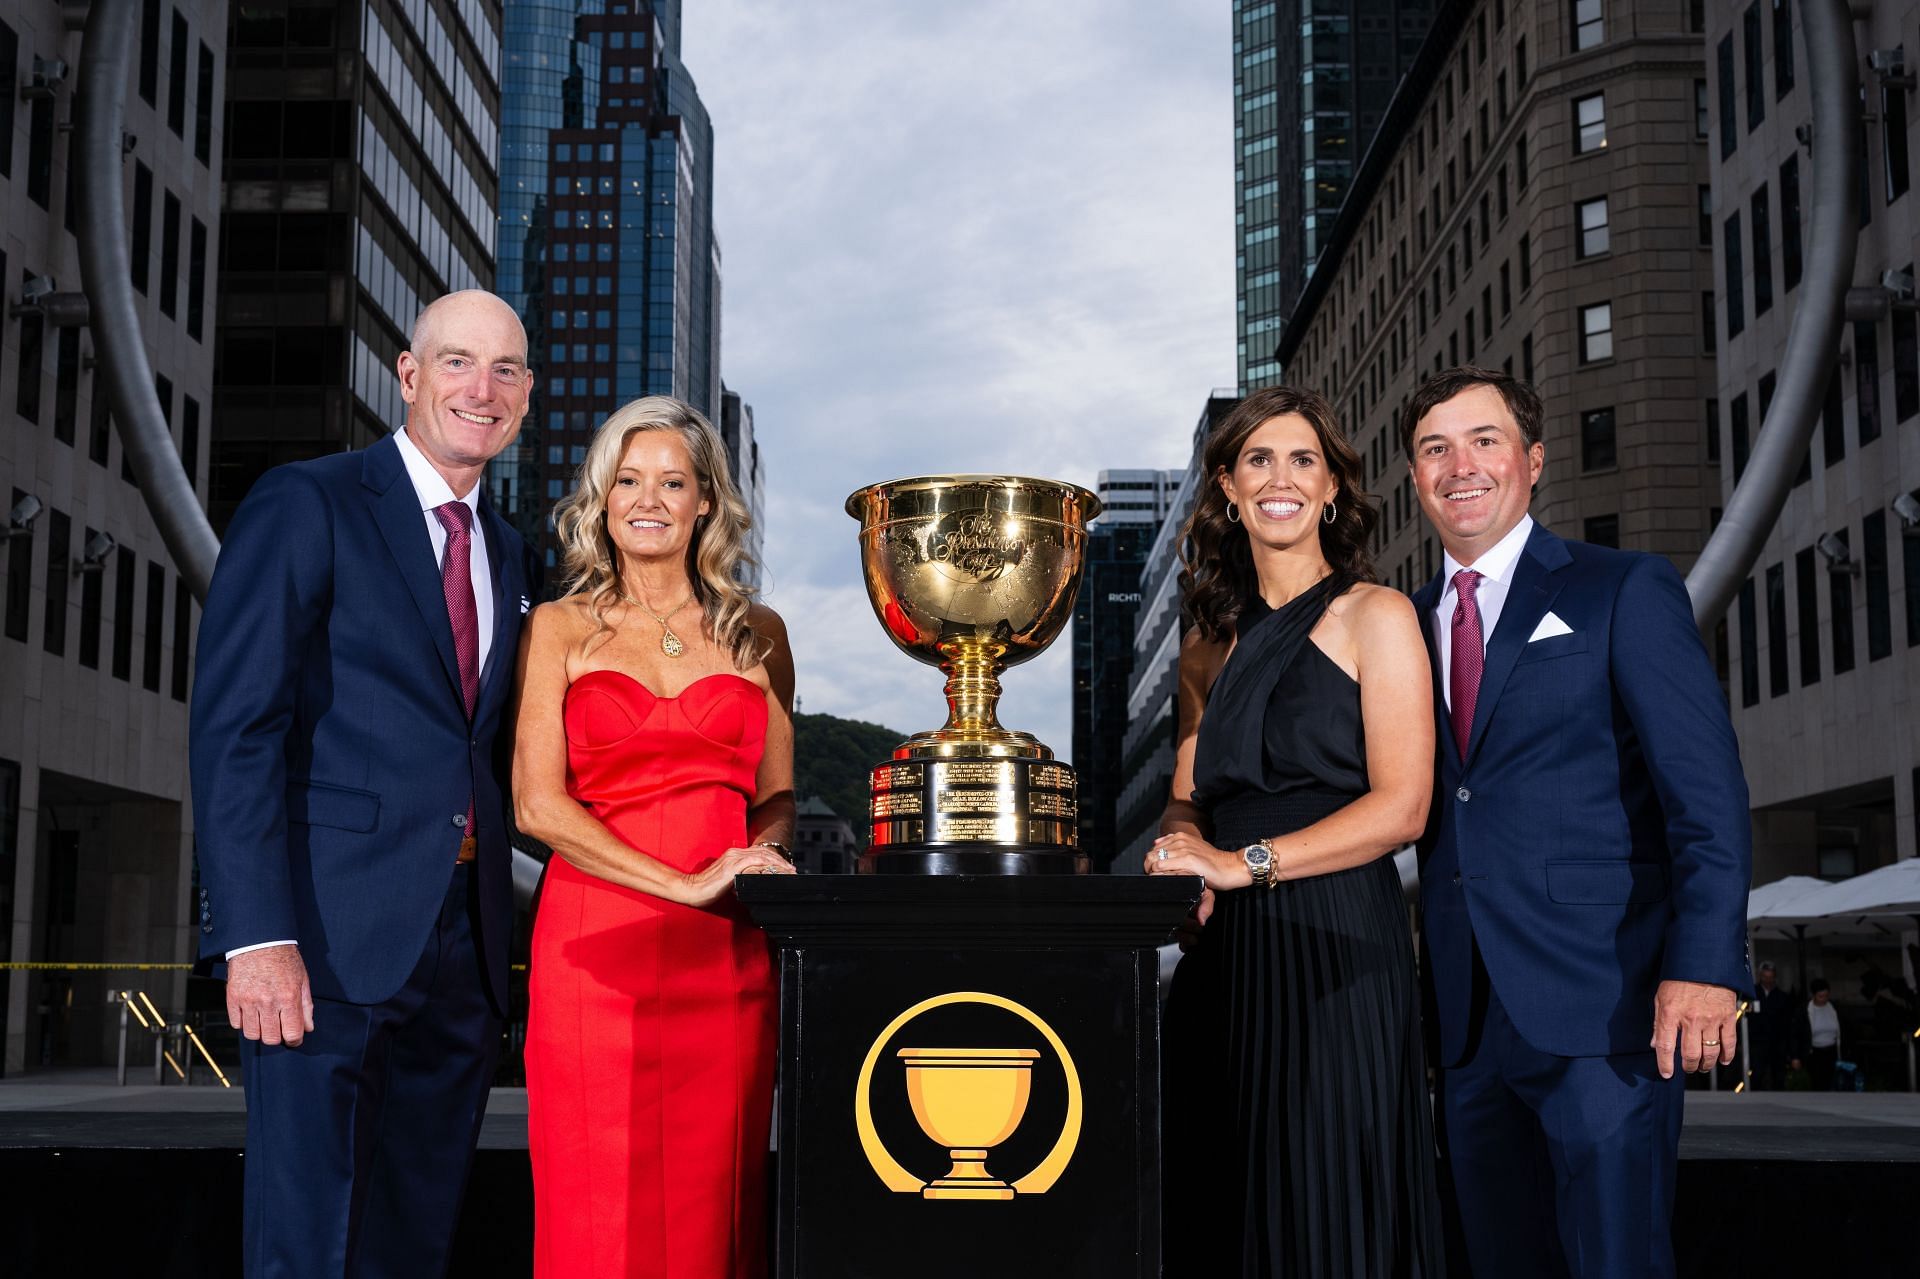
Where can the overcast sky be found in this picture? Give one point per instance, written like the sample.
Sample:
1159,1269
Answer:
993,237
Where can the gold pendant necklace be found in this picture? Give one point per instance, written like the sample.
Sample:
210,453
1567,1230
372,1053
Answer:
670,644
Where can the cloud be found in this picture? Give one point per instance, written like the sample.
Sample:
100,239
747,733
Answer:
988,238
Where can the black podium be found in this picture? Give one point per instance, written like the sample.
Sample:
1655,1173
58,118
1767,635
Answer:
969,1073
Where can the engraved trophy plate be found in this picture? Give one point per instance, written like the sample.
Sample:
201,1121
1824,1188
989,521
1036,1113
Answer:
973,574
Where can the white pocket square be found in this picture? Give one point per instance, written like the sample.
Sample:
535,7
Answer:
1550,626
524,605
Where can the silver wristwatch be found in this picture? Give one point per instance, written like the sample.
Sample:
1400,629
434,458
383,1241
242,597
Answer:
1259,859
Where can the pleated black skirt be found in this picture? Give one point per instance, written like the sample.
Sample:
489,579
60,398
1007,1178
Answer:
1298,1130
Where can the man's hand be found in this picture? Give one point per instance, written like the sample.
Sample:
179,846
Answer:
268,997
1701,1018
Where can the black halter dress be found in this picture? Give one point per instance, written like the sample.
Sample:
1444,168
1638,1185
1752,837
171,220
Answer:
1299,1136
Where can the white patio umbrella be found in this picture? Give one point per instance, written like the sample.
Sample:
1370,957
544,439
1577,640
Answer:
1889,891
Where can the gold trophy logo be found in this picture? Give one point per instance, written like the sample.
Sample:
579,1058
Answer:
969,1100
973,574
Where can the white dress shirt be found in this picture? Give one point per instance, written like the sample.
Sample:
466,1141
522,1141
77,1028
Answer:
433,490
1496,576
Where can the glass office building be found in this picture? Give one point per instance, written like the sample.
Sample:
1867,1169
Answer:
606,232
362,147
1311,80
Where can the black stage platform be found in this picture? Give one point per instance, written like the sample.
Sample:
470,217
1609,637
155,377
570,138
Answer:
143,1180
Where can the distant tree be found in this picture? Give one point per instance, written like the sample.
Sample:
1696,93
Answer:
831,759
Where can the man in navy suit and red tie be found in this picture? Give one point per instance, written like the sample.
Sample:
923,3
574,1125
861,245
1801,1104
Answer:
1584,876
356,657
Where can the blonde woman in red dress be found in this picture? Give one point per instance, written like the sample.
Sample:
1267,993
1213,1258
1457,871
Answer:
654,754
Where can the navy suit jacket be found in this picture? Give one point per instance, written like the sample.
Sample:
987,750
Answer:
1594,840
332,756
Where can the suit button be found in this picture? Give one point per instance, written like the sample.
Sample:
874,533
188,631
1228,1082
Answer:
460,820
1463,794
1456,877
206,928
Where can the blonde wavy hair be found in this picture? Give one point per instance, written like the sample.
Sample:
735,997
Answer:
715,555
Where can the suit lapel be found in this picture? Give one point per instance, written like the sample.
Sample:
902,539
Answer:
507,589
1536,581
1425,600
397,513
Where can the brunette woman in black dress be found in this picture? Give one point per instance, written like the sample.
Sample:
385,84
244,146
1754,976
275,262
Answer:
1298,1134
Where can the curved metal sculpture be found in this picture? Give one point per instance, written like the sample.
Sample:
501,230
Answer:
99,107
1813,341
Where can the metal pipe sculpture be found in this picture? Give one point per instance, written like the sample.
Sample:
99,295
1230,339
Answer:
99,107
1813,341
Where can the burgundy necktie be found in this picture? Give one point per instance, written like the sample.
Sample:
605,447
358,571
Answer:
456,579
1469,657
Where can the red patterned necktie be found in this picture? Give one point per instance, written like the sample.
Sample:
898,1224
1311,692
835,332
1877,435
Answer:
456,579
1469,657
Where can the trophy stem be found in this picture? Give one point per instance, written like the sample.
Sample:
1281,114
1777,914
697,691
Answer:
973,694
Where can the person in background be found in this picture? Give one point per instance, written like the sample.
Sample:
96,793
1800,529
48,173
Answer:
1771,1030
1823,1035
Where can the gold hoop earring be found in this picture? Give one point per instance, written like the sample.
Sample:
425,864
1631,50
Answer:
1330,514
1233,513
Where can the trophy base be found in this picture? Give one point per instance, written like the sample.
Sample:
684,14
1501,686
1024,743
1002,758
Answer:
944,1189
973,861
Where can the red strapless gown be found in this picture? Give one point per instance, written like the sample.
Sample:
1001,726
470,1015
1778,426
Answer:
650,1032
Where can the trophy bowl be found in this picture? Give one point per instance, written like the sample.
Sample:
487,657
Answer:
969,1100
973,574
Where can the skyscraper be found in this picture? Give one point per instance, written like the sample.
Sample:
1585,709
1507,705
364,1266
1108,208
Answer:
1311,81
1134,503
609,230
361,152
749,475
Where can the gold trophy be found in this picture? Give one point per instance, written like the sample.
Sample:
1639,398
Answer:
973,574
969,1100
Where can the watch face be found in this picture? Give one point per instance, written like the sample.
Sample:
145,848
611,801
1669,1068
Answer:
1257,854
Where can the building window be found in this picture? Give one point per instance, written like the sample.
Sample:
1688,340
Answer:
39,151
1589,123
9,94
1597,451
1893,138
196,278
1520,161
190,440
1749,648
177,77
1596,332
1707,323
1486,311
1736,296
1737,431
1873,533
1866,381
1520,61
1713,430
1777,685
91,582
1592,218
182,637
1906,360
149,50
156,622
1807,600
27,374
1910,565
1501,187
203,108
1782,49
1602,530
1756,66
1790,223
1723,68
19,578
142,253
1833,423
1762,228
100,427
66,383
1506,289
1589,24
1526,262
1840,611
169,255
1706,217
59,553
1526,357
123,570
1700,113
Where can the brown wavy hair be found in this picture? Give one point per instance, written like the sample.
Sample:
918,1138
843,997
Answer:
1217,576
